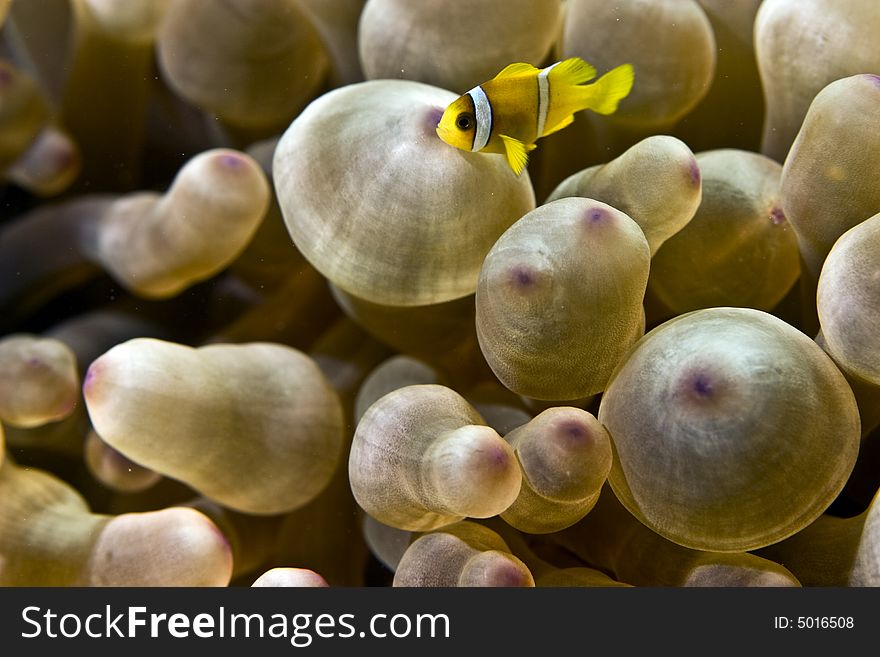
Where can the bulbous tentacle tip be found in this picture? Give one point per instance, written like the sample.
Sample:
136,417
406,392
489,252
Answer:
290,578
480,450
720,391
495,568
118,556
475,453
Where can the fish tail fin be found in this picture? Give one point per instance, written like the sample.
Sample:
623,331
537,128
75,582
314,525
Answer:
604,95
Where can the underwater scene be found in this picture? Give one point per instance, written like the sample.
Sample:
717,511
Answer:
550,293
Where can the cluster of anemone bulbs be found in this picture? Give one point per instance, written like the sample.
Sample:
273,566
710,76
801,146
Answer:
260,325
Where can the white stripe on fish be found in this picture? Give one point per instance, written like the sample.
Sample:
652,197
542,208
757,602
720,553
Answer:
482,117
543,98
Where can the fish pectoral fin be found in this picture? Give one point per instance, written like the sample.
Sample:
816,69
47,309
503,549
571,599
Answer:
520,68
572,71
517,153
559,126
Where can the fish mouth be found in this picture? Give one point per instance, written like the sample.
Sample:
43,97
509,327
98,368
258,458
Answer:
442,134
433,122
447,134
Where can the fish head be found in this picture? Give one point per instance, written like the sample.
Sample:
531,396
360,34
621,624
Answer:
458,126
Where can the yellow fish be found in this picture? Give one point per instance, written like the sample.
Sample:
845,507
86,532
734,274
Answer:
521,104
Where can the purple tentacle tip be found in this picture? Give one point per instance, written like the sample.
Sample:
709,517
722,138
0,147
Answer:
432,119
694,170
506,574
574,431
434,116
595,215
88,379
496,456
873,78
231,161
777,216
64,158
702,385
522,277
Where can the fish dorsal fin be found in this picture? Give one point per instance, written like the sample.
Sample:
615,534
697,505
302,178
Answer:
572,71
517,153
520,68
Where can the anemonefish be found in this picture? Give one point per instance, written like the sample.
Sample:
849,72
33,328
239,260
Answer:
522,103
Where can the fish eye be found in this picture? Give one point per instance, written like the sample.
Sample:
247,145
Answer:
464,121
